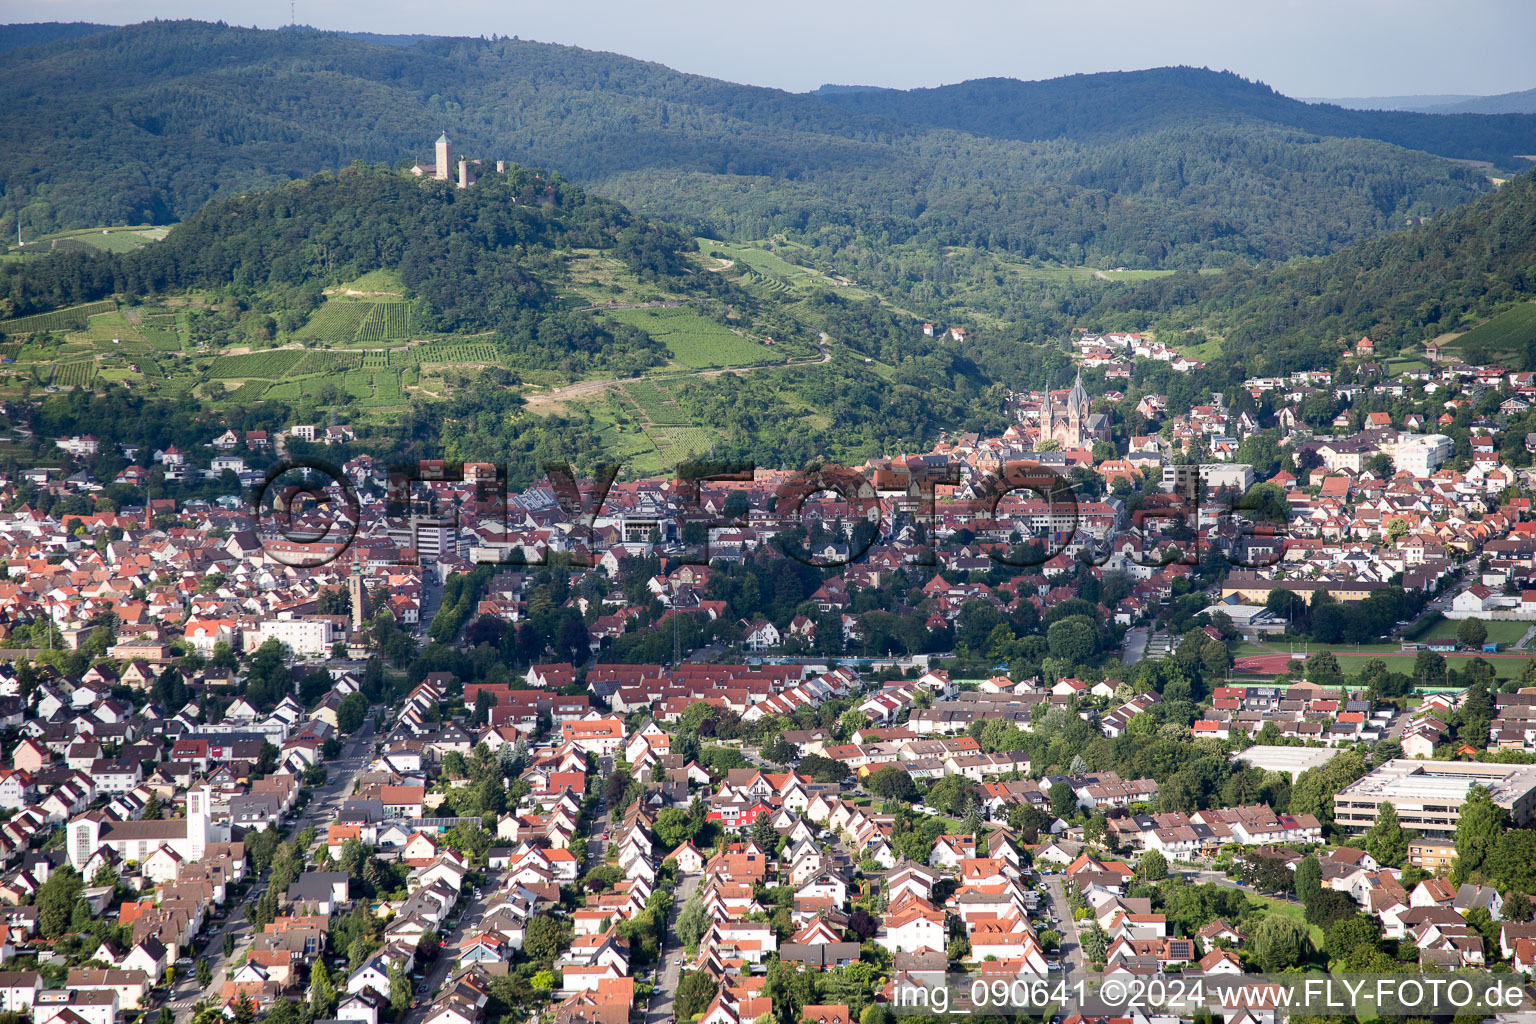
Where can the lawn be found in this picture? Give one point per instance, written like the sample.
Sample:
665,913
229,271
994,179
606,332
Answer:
1503,667
696,341
1505,634
1294,911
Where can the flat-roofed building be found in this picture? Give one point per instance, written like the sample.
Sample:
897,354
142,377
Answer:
1290,760
1428,794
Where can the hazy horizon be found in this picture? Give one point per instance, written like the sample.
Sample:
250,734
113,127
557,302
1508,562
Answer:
1313,48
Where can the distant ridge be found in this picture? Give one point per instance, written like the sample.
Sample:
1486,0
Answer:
1426,104
14,37
1504,103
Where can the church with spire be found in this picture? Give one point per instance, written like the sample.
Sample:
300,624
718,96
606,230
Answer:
1067,420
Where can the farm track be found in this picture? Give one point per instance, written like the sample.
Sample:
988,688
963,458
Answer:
551,400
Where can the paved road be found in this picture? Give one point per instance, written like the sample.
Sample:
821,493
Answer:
324,800
660,1006
1071,950
1135,645
473,911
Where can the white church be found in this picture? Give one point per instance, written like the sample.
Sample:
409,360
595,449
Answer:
182,839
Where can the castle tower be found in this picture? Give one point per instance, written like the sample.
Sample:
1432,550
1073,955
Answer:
463,173
199,820
441,171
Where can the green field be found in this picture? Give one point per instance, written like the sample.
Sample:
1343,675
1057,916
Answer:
1505,334
1503,667
352,321
694,340
1503,633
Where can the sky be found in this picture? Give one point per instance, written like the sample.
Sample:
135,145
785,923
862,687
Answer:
1311,48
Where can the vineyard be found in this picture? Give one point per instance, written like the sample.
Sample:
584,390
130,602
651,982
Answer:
694,340
655,404
345,321
456,352
320,361
70,375
73,318
1504,336
387,322
272,365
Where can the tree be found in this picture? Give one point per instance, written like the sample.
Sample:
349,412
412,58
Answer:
1153,866
399,990
56,899
1063,800
543,939
1279,942
1517,907
1512,862
695,990
322,992
675,826
693,920
1476,715
893,783
1477,831
1095,942
228,944
1429,668
1386,840
204,973
1072,639
1471,633
1309,878
1345,936
1323,669
353,710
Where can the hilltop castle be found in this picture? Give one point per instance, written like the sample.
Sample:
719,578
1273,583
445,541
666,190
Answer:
1069,423
444,166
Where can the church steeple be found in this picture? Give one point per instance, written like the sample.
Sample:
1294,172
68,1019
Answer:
1077,401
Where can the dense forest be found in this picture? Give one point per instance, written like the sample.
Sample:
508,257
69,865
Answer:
1205,170
1111,105
1401,290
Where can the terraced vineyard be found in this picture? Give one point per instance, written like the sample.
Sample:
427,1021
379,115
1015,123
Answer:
75,317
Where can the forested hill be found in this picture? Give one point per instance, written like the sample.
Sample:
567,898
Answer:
1401,290
1112,105
162,117
479,258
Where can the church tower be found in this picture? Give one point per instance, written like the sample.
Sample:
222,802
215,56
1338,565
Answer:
199,821
443,146
1077,410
